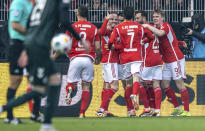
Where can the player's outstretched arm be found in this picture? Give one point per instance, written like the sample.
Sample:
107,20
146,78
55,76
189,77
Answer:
156,31
18,27
64,18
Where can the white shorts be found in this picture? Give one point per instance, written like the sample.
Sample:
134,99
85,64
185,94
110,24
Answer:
151,73
174,70
110,72
122,73
80,68
128,70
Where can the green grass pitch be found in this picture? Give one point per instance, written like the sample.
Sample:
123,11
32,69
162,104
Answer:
115,124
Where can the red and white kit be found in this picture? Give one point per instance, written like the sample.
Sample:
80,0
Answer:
130,34
174,66
152,65
110,58
81,63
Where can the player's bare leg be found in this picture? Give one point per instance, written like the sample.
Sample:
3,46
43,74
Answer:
15,81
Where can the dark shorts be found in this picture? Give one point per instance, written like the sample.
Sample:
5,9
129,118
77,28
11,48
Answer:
15,49
40,65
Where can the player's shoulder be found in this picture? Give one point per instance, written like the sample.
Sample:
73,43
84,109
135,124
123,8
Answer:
87,24
165,24
16,3
119,25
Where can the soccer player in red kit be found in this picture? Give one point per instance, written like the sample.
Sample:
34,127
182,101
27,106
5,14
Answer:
126,83
174,62
110,62
130,34
81,62
151,70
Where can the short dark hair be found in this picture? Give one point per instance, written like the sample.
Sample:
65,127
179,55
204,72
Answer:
128,12
83,11
158,11
143,13
119,14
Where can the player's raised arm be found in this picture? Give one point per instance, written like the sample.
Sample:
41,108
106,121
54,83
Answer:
113,38
104,28
64,18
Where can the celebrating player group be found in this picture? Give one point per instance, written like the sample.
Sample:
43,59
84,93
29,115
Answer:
143,56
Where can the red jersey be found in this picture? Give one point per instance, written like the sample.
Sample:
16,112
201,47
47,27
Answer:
108,56
130,34
169,45
151,51
87,31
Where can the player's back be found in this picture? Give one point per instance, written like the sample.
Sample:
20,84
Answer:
87,31
130,34
43,23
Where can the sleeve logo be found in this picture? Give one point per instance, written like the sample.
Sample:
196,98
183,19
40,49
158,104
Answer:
16,13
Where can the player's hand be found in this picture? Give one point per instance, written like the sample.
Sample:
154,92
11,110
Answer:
145,25
184,44
109,16
23,59
109,27
86,45
190,32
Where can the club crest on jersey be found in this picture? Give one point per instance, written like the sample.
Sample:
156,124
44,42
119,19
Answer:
16,13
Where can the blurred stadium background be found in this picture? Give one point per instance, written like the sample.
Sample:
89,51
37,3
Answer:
176,12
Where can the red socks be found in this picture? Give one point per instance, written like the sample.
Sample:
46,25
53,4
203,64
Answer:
84,100
151,97
158,97
185,99
143,96
30,103
171,96
107,94
136,87
110,93
128,92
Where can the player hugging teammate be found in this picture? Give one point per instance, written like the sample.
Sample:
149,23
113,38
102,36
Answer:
134,52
